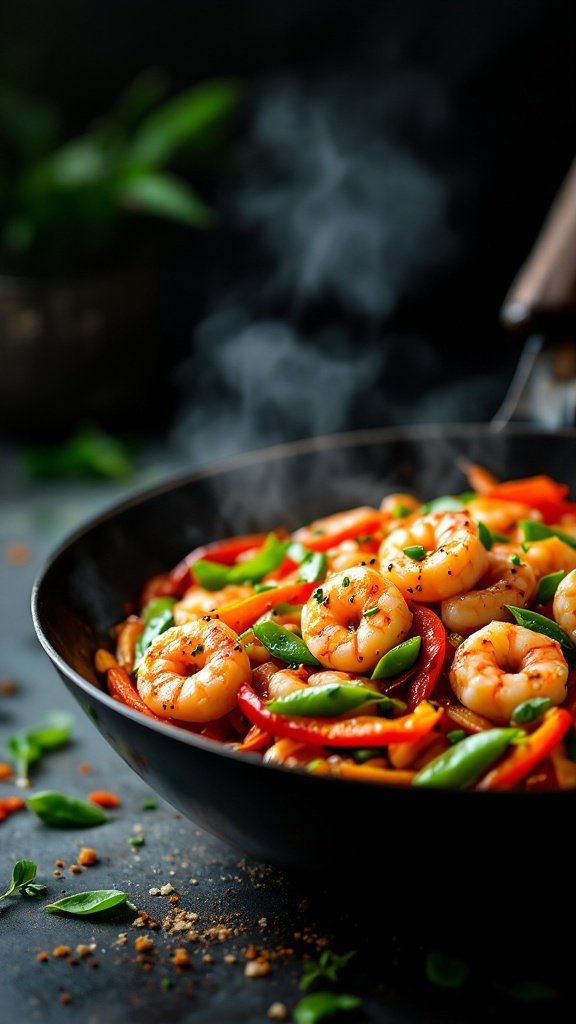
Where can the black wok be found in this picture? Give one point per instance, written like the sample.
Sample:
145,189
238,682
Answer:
284,816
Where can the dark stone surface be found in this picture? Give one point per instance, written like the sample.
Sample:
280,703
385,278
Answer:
391,921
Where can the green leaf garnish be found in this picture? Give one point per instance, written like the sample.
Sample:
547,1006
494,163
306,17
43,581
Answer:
23,873
56,810
415,551
28,746
91,902
320,1006
328,966
547,586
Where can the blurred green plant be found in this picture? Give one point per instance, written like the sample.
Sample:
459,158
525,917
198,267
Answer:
65,202
88,452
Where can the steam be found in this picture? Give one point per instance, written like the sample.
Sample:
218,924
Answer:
338,226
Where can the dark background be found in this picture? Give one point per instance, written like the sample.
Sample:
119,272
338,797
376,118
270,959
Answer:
392,165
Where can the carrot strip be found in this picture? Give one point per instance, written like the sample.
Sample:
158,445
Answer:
255,739
523,757
387,776
240,615
120,687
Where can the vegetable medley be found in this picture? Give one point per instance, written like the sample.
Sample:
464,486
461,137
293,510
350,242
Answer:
426,644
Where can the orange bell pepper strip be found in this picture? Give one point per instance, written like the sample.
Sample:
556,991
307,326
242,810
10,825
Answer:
121,688
255,739
361,731
323,534
240,615
368,773
525,755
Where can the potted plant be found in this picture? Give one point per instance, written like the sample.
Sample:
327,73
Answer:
78,271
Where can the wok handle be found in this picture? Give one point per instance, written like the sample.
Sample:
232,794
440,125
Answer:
542,297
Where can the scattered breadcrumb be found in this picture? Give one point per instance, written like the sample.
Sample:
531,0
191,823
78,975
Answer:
166,890
230,958
61,951
42,956
7,687
75,869
181,957
17,553
143,944
277,1011
257,969
87,857
65,998
154,891
83,950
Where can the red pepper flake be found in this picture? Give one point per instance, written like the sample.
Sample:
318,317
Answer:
6,771
42,956
65,998
103,798
17,553
7,687
59,951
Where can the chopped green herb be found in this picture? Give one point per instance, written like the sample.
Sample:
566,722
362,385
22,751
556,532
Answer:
369,612
198,650
136,840
320,1006
515,559
149,804
485,535
445,970
530,710
346,581
91,902
327,967
318,595
455,735
415,551
27,747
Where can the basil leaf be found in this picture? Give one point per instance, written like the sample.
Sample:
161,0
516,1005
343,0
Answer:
23,872
33,890
56,810
327,700
93,902
24,749
531,530
321,1006
213,576
541,624
55,731
547,586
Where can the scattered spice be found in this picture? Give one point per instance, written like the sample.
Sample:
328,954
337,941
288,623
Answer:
7,687
17,553
42,956
181,957
59,863
6,771
257,969
87,857
143,944
59,951
102,798
65,998
277,1011
75,869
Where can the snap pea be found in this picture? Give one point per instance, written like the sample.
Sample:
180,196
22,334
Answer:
157,615
462,764
326,701
530,710
284,644
547,586
531,530
214,576
541,624
446,503
398,659
313,567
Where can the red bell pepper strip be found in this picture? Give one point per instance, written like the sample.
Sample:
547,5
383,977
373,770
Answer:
525,755
120,687
541,492
177,581
361,731
328,533
433,653
240,615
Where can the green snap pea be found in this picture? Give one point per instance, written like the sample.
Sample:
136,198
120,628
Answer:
462,764
284,644
328,700
313,567
530,710
157,615
214,576
531,530
446,503
541,624
547,586
398,659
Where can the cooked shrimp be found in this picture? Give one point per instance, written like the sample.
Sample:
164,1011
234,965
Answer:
564,605
198,602
550,555
353,619
502,665
285,681
193,672
348,554
496,514
392,502
504,583
455,556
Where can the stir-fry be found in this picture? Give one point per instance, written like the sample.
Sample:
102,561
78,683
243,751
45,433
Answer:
424,644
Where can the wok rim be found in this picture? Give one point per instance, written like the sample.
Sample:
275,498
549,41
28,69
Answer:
172,482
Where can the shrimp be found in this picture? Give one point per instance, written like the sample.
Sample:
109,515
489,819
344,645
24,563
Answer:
504,583
564,605
455,556
502,665
193,672
353,619
198,601
348,554
498,515
550,555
